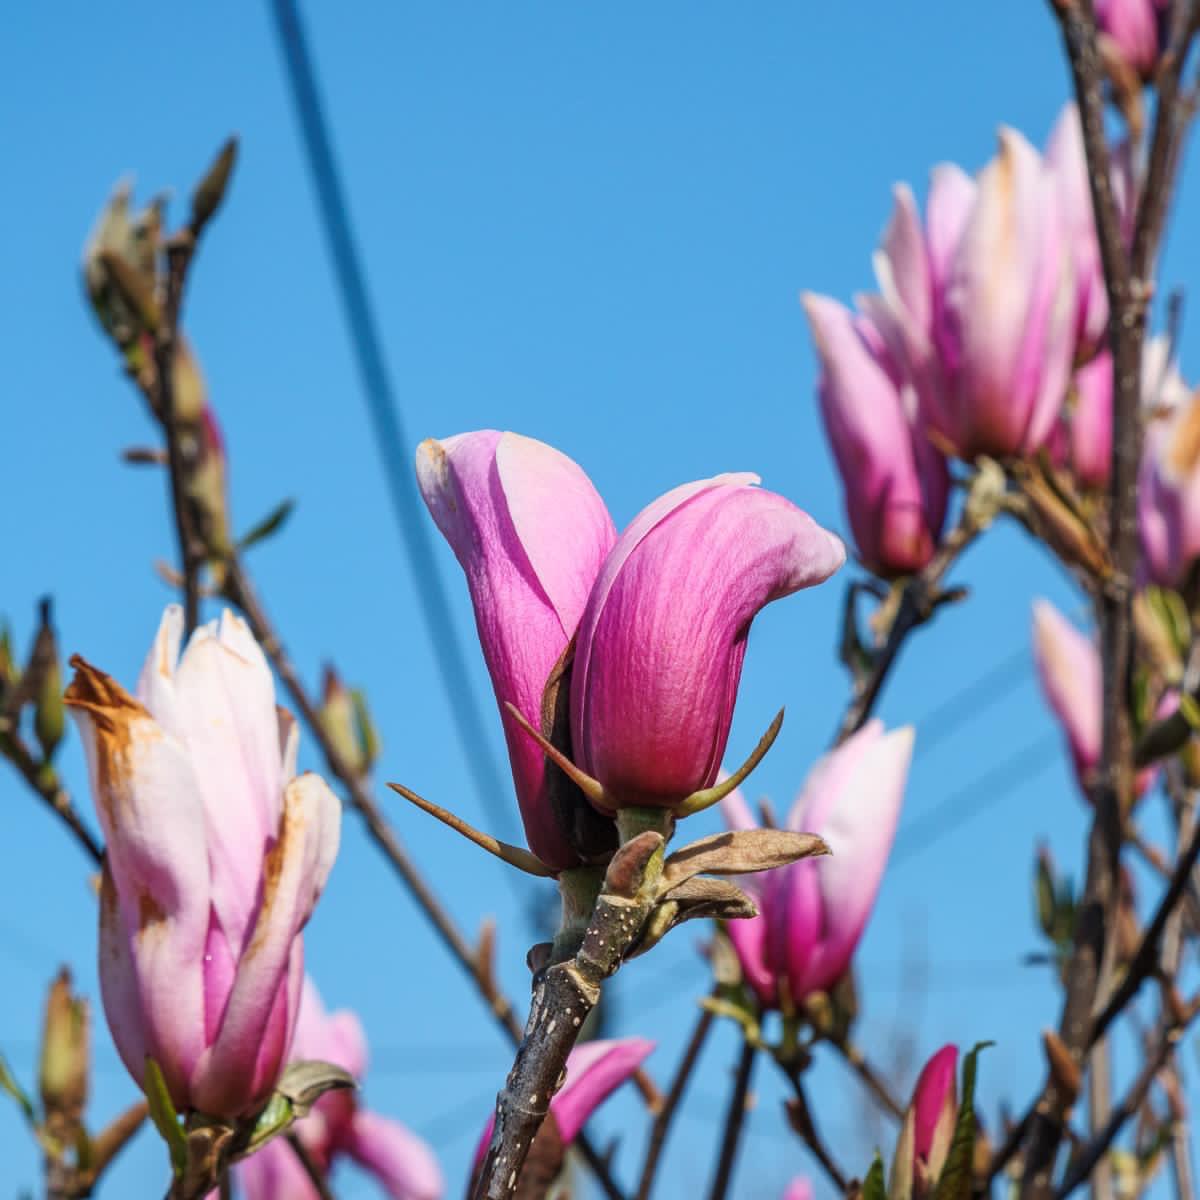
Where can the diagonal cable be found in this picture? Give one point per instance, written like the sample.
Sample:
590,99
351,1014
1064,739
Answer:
391,439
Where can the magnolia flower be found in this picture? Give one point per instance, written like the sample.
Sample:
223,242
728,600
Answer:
1135,29
799,1189
894,482
216,854
813,913
1087,423
402,1163
978,305
660,645
1169,494
594,1071
531,533
928,1128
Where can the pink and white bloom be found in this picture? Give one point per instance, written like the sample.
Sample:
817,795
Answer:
1087,423
894,482
338,1125
216,854
594,1071
812,914
1135,29
978,304
1068,165
661,643
531,533
928,1127
800,1188
1169,493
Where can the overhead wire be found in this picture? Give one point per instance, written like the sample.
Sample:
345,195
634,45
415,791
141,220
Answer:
391,438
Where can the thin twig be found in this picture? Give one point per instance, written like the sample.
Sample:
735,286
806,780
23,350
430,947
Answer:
917,603
181,466
871,1079
802,1121
43,779
314,1173
1088,1156
735,1121
666,1114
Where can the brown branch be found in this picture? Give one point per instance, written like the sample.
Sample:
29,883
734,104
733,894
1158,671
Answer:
735,1121
43,779
800,1116
871,1079
315,1175
918,601
181,451
666,1114
1084,1161
564,994
1128,287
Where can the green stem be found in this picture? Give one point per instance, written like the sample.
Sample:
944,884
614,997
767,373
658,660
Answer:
579,888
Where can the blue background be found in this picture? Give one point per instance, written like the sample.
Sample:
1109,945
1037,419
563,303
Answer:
587,223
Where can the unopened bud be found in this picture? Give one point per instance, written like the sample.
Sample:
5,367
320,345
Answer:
1044,890
190,397
337,719
211,189
63,1078
1064,1069
208,485
10,673
49,716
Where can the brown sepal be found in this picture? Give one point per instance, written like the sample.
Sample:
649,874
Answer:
739,852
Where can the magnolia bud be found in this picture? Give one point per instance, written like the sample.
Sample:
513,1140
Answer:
347,722
63,1077
49,717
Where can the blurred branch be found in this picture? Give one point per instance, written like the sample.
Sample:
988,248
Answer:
44,780
735,1120
666,1114
314,1173
1129,287
919,600
801,1119
871,1079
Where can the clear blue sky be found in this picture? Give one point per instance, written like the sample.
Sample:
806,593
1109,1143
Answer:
587,223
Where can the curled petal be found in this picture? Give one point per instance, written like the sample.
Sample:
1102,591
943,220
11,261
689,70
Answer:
660,646
594,1071
401,1161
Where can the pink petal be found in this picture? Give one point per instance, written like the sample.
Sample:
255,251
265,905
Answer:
661,643
273,1173
749,938
530,533
799,1189
594,1071
934,1084
401,1161
1068,667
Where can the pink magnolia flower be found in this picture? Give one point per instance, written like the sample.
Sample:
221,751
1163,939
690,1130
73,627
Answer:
800,1188
813,913
531,533
1169,494
660,645
402,1163
1135,29
894,482
217,852
1068,668
594,1071
978,305
928,1127
1068,164
1087,423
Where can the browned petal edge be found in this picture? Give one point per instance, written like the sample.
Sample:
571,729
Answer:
112,710
293,826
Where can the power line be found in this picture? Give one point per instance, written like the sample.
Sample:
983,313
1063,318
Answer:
390,437
974,798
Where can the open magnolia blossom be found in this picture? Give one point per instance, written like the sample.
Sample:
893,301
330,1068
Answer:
338,1124
216,854
813,913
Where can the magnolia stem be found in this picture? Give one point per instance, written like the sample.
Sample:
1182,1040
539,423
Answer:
917,604
666,1114
871,1079
314,1173
805,1126
735,1121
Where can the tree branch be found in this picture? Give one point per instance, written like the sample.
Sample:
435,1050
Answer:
44,780
315,1176
666,1114
871,1079
735,1121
